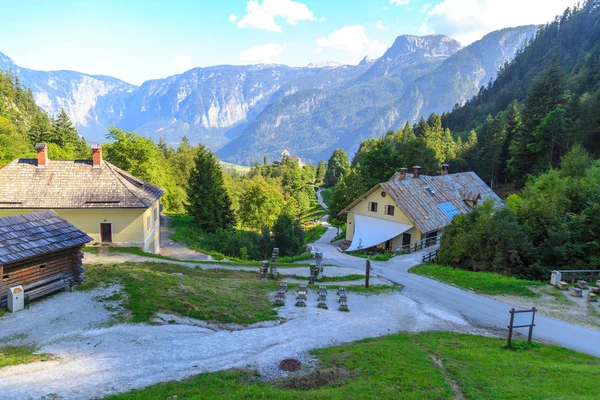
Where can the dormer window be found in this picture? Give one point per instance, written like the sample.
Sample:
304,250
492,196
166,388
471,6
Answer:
430,190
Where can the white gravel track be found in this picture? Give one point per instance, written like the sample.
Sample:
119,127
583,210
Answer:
95,361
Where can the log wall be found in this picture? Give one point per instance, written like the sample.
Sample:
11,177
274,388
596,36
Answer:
41,269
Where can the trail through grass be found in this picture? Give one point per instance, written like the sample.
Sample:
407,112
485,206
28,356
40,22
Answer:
402,367
479,282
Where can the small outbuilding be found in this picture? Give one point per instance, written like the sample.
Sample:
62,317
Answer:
40,251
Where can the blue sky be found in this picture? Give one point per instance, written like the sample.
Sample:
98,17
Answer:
137,40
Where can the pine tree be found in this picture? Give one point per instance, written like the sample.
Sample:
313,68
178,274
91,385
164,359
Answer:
338,166
321,170
546,94
208,201
513,127
407,134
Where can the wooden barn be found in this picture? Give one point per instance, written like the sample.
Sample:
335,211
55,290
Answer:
40,251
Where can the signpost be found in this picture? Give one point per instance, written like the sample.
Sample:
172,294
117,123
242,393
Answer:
521,319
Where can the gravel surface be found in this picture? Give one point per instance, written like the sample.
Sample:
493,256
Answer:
95,359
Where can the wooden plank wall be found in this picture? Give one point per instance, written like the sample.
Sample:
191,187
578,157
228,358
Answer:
39,268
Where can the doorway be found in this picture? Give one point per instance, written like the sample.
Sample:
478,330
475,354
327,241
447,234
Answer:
106,232
406,238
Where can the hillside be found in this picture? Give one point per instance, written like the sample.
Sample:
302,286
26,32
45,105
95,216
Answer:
313,123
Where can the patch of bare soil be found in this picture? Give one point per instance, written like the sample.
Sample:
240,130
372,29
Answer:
316,379
558,304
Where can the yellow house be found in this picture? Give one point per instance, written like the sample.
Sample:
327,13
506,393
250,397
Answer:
105,202
410,210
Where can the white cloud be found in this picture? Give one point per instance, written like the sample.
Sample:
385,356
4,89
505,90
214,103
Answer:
262,15
233,18
351,39
265,53
470,20
185,63
380,25
425,7
399,2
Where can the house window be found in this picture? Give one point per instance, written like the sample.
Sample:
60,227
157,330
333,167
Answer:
155,214
389,210
373,206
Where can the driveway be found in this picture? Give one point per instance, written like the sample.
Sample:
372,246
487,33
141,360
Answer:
479,310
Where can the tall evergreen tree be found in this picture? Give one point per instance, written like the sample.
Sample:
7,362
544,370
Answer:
321,170
546,94
338,166
208,201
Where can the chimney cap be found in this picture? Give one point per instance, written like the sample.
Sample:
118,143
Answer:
404,169
416,167
40,146
96,146
445,165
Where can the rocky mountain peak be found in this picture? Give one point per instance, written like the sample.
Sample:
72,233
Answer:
367,60
429,45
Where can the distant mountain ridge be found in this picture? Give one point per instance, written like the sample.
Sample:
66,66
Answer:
246,112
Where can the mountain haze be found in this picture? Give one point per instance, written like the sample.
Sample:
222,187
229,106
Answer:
246,112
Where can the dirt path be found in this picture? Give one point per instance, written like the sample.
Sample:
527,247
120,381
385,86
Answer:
173,249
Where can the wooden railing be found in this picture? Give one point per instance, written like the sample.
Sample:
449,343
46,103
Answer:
420,245
431,257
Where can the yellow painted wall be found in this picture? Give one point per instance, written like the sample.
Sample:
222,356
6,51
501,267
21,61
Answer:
362,208
129,225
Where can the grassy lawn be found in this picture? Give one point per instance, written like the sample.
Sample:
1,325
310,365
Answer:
282,262
210,295
403,366
374,257
316,211
16,355
479,282
314,233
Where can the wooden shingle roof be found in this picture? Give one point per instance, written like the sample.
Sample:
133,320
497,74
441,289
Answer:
430,202
29,235
72,184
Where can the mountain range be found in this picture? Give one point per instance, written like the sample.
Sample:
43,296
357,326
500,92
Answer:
246,112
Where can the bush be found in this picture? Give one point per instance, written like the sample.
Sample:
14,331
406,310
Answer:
487,240
288,235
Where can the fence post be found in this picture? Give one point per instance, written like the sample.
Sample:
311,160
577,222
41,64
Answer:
510,327
531,326
368,272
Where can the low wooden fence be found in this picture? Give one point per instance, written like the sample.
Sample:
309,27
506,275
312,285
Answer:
431,257
420,245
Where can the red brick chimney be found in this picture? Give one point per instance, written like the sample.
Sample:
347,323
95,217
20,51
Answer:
402,173
97,157
445,169
42,155
416,171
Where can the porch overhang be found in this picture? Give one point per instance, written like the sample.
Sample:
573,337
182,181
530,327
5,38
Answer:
369,231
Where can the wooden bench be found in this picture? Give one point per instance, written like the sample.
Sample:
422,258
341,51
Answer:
44,287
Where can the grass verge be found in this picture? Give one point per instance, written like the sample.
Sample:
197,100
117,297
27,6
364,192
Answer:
374,257
314,233
214,295
16,355
282,262
478,282
403,366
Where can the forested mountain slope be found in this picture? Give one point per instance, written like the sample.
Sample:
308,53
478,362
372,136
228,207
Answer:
432,78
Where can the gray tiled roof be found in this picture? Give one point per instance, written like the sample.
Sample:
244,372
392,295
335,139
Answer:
72,184
33,234
423,208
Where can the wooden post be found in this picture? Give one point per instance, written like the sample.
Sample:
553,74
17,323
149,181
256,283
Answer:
368,272
531,326
510,327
